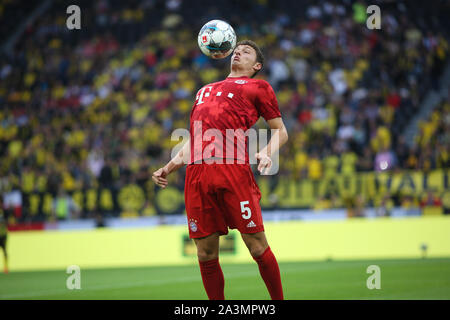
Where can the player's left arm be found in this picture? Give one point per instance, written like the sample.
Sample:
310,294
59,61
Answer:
278,139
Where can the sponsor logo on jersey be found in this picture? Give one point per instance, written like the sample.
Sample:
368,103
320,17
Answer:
251,224
241,81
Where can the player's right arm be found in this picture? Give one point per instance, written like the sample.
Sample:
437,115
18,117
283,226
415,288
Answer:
180,159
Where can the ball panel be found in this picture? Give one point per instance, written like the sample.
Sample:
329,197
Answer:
222,25
217,38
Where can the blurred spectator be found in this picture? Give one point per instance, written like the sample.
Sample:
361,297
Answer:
385,207
64,207
430,199
431,204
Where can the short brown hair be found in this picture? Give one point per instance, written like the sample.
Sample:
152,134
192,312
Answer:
259,54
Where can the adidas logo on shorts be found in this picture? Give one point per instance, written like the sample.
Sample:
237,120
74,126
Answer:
251,224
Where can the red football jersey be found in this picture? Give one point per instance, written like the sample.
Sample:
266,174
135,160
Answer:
222,114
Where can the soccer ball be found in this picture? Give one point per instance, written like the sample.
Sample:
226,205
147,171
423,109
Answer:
217,39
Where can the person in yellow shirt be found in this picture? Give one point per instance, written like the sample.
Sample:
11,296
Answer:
443,157
349,161
300,163
64,207
314,167
331,164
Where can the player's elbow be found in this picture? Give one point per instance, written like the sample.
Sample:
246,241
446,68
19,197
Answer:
284,135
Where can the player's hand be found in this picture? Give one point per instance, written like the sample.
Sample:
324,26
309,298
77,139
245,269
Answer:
264,163
160,177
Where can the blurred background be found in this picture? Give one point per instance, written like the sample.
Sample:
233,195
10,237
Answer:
86,115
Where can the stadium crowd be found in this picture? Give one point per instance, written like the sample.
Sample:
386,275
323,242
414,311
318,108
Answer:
96,107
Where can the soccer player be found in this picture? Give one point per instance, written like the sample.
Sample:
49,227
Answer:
3,236
219,194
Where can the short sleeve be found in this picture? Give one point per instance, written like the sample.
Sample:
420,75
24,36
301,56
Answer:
266,101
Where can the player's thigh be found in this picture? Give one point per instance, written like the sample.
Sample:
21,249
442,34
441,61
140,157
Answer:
208,247
241,201
204,217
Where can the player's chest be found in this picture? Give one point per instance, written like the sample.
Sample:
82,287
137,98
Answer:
229,96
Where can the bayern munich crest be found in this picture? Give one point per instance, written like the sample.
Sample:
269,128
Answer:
193,225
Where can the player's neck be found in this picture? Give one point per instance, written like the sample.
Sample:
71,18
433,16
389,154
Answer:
238,74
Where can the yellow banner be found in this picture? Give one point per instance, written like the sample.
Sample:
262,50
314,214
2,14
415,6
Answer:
290,193
276,191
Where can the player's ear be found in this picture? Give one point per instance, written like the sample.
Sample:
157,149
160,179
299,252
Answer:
257,66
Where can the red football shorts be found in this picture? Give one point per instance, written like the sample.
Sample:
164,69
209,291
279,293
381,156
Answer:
221,196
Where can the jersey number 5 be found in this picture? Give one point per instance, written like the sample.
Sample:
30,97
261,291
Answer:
245,209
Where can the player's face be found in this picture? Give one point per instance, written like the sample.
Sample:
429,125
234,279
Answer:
244,56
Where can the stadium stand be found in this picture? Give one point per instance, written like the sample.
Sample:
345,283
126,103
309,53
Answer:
86,115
